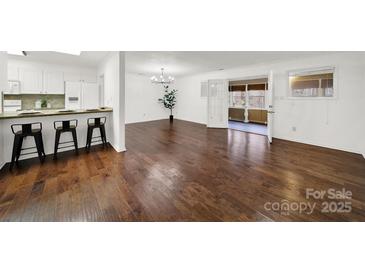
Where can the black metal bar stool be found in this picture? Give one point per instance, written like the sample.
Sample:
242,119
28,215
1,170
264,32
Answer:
61,127
22,131
93,123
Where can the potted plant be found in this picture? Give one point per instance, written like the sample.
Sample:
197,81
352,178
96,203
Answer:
44,102
169,100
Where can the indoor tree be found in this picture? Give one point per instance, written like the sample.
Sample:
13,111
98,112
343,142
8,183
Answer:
169,100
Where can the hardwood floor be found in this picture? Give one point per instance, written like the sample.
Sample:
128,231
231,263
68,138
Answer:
182,172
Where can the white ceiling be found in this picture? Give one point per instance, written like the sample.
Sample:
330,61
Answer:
176,63
85,59
180,63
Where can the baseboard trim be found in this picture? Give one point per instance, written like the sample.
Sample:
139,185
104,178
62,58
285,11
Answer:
146,121
291,140
194,122
318,145
118,150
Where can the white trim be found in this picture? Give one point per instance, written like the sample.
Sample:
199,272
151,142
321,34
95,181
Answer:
293,139
324,145
117,149
312,70
2,165
363,155
148,120
249,77
191,121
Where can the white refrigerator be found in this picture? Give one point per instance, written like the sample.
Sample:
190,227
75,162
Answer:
81,95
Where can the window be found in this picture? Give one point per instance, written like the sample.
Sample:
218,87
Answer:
256,95
316,83
250,92
237,99
256,98
237,95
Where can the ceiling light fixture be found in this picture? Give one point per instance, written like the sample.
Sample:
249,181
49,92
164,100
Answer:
161,79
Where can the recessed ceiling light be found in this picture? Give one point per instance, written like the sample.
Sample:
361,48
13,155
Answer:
17,52
72,52
220,69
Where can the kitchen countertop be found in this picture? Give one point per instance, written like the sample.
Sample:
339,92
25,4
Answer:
13,115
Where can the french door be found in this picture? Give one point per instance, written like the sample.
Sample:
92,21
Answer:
217,103
270,107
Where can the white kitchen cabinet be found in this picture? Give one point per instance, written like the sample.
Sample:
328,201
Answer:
54,82
90,96
73,95
81,95
13,73
31,80
13,87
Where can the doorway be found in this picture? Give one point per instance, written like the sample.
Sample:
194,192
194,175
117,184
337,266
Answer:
247,109
248,102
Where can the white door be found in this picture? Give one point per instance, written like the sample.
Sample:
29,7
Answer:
54,82
90,96
73,95
270,106
217,103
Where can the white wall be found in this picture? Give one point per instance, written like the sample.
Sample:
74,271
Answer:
334,123
3,86
142,99
121,123
3,74
113,69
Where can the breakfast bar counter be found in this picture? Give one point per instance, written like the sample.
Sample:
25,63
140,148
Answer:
54,112
47,118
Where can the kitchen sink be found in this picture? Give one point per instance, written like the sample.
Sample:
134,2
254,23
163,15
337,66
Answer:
28,112
66,110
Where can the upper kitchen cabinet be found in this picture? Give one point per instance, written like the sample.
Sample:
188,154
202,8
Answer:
13,73
54,82
31,80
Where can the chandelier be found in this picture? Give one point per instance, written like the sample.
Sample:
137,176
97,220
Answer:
161,79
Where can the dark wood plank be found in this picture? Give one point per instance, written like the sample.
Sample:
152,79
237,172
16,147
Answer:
181,172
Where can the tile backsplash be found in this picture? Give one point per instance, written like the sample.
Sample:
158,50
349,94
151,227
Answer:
57,101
